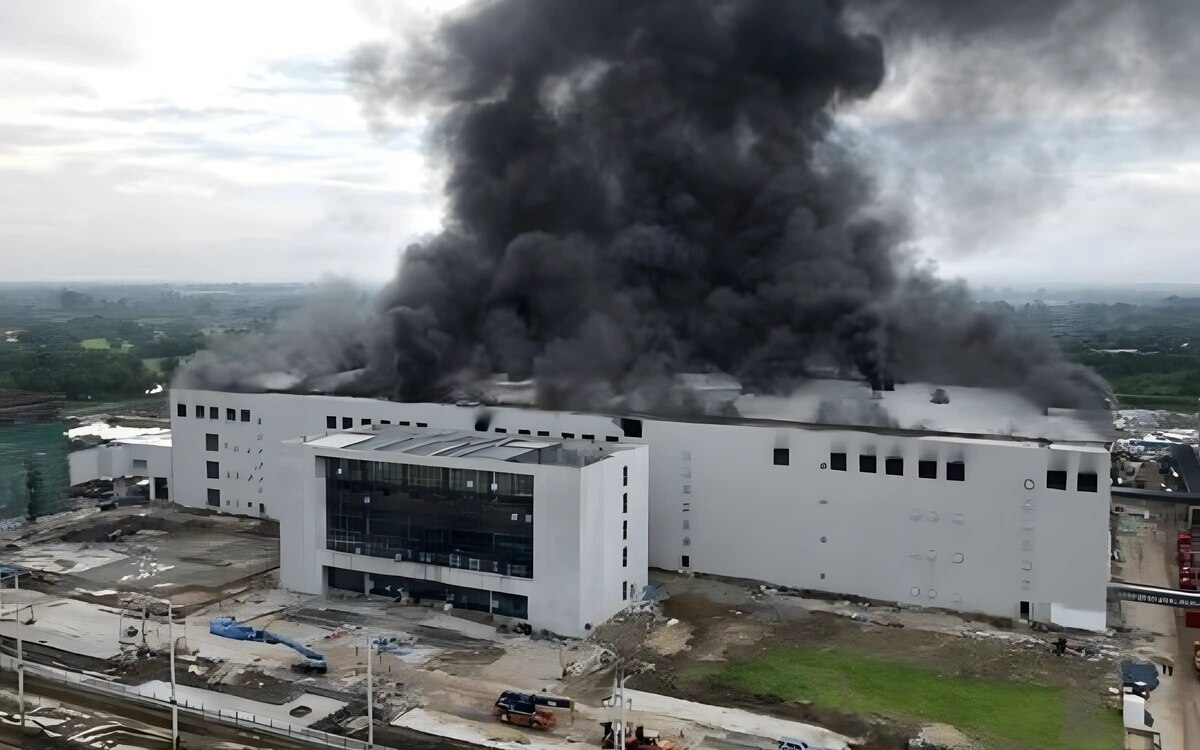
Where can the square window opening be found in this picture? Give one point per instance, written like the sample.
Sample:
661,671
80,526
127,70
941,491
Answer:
782,457
927,469
894,466
866,464
1087,482
211,442
181,410
837,461
347,423
331,423
1056,480
685,561
956,471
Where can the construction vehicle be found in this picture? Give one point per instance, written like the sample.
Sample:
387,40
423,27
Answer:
229,627
635,739
523,709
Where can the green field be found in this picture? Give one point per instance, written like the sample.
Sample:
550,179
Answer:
102,344
999,714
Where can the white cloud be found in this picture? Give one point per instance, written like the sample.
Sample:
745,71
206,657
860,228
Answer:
210,141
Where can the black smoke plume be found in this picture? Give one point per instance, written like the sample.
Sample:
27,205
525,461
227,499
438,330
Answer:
638,189
642,188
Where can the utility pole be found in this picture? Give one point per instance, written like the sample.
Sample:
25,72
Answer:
370,698
20,653
174,703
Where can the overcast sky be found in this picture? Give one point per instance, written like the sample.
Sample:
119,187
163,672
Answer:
218,141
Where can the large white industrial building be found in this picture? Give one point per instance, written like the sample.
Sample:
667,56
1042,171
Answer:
984,504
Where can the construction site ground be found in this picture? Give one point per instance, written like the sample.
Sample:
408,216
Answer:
441,672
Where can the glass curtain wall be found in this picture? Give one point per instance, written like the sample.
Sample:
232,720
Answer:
457,518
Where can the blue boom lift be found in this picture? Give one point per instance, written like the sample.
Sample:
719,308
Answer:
229,627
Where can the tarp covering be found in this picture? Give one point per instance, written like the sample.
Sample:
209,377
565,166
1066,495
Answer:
1133,672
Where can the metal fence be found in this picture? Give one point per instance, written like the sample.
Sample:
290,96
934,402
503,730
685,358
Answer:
236,719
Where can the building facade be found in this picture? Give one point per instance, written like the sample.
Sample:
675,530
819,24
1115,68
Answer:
549,532
983,505
127,461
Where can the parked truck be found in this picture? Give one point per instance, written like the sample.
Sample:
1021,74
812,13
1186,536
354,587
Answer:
525,709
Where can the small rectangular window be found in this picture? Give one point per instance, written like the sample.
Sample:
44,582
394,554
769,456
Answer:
1087,482
631,427
347,423
611,438
214,498
522,432
956,471
366,422
214,412
502,430
543,433
404,423
686,561
385,421
625,502
422,424
624,557
866,464
181,410
588,437
894,466
211,442
1056,480
927,469
214,469
245,415
837,461
782,457
624,529
331,423
199,412
568,436
231,415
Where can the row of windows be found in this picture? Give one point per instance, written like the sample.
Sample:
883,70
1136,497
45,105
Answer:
348,423
956,471
213,412
1085,481
331,423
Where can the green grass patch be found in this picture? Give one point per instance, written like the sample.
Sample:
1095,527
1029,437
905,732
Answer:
103,344
1000,714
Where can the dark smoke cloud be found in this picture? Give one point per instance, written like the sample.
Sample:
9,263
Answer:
638,189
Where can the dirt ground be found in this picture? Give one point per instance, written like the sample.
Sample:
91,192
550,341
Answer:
192,557
732,621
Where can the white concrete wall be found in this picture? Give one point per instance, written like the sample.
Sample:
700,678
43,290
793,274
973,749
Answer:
116,459
577,559
877,535
749,518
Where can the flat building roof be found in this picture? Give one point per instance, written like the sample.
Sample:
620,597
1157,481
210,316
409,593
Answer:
381,440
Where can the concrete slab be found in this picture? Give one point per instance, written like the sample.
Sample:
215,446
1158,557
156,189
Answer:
214,701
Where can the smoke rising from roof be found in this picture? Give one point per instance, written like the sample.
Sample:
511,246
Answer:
639,189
